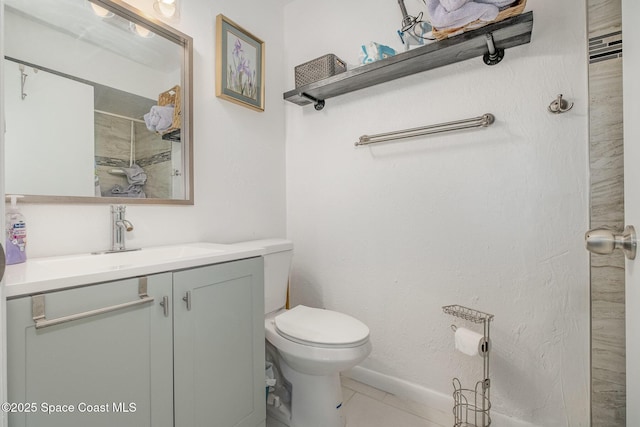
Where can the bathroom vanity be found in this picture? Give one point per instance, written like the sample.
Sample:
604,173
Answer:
169,336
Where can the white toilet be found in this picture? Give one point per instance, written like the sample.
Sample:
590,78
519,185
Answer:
310,348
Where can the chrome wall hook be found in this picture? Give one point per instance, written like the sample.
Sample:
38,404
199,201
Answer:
23,80
560,105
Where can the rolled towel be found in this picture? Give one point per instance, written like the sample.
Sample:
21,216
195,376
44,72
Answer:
497,3
151,120
468,13
159,118
451,5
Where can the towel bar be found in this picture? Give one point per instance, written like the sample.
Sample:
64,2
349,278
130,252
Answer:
39,317
475,122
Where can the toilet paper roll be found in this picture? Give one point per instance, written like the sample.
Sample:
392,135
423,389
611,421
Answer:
471,343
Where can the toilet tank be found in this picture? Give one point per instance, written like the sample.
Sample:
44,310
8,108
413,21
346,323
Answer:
277,265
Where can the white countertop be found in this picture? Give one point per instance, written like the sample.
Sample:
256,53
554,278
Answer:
52,273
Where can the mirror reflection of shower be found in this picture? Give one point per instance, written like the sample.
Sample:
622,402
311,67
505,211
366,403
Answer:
57,143
23,79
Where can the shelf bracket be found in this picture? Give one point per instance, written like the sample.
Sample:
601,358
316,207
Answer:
318,104
494,55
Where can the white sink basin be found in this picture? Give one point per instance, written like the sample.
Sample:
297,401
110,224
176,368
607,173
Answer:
120,260
45,274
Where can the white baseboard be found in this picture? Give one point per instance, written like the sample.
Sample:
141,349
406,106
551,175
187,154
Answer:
422,395
401,388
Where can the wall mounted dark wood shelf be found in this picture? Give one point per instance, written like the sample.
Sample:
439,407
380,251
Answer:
173,136
511,32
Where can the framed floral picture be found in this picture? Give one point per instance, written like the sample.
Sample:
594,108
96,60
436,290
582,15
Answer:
239,65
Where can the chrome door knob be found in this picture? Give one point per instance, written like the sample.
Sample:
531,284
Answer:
604,241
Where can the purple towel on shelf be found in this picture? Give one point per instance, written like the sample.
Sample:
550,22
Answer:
498,3
451,5
469,12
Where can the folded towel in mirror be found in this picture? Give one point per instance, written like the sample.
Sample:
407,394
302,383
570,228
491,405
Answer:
135,174
159,118
132,191
136,178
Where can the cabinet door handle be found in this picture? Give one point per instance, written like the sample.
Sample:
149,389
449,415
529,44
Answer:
187,299
165,305
38,308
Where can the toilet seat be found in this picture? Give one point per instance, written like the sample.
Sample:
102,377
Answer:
321,328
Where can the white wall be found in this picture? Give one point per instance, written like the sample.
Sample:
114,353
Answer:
65,167
41,45
239,155
491,219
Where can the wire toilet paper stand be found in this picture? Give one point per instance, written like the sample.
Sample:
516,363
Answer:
471,407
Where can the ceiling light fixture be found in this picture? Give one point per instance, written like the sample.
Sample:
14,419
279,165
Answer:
140,30
166,8
100,11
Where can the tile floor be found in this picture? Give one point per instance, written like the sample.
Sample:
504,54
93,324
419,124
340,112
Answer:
365,406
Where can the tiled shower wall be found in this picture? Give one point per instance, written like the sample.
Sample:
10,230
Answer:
152,154
608,398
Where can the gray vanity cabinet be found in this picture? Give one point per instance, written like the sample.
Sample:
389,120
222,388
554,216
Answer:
109,369
219,345
192,357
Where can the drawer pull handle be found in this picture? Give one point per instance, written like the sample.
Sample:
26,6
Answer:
39,317
187,298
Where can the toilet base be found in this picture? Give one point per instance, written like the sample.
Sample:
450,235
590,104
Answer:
316,400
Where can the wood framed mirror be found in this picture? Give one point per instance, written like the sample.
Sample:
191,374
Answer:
98,104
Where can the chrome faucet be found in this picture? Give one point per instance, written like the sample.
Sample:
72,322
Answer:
119,226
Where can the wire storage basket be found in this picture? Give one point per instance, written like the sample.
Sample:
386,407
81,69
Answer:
514,10
318,69
471,407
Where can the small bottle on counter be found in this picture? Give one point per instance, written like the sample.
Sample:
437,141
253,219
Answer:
16,240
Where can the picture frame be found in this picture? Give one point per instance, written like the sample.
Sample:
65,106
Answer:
239,65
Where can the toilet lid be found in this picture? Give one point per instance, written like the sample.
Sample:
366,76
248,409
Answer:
320,327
